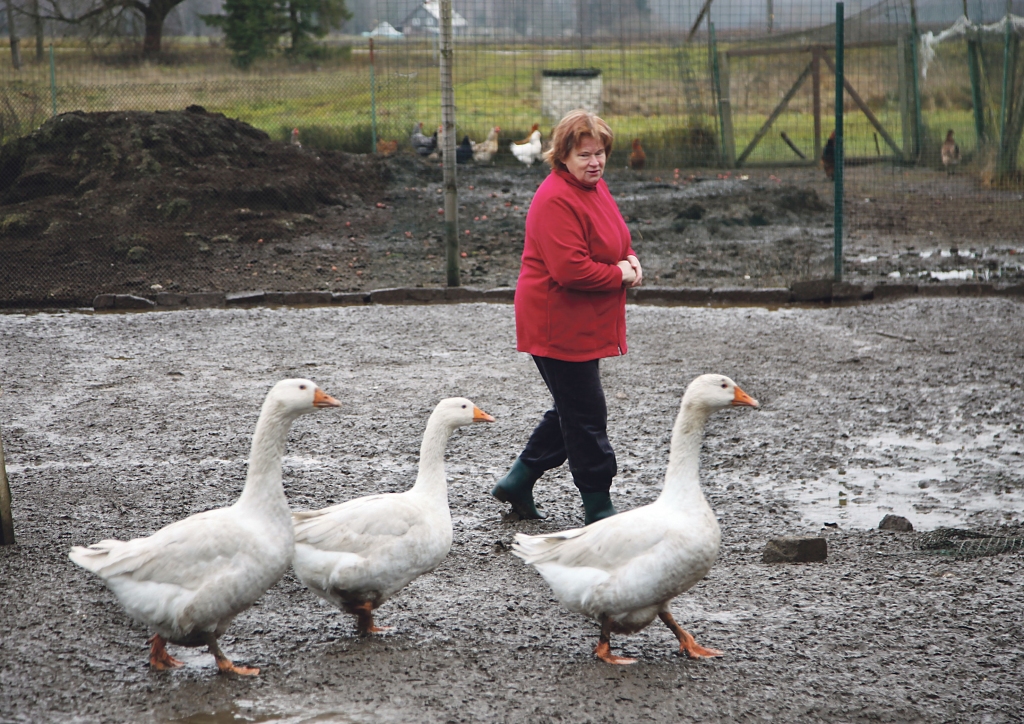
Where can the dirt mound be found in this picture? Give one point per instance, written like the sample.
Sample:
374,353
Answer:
136,187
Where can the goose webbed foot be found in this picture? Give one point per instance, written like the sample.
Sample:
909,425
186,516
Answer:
687,644
364,619
603,650
226,665
159,659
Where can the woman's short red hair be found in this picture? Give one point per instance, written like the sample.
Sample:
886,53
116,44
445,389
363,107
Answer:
575,126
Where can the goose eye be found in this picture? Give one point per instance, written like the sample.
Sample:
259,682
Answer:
725,386
302,387
463,407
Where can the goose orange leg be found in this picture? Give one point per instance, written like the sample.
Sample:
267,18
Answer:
603,650
159,659
364,619
225,664
687,644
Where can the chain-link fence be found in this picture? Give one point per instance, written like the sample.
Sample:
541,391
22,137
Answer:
726,101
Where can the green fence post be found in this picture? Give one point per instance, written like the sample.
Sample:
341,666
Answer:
373,104
6,521
916,82
1007,73
838,176
53,82
716,81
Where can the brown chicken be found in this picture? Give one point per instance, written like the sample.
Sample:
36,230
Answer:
950,152
828,157
386,148
637,157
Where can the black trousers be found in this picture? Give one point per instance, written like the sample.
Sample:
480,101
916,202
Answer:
575,428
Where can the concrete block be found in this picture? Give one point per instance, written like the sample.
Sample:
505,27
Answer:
426,295
350,299
671,295
849,292
170,299
976,290
772,296
395,295
307,298
795,549
938,290
813,290
203,300
103,301
463,294
1017,290
274,298
500,294
894,291
243,298
130,301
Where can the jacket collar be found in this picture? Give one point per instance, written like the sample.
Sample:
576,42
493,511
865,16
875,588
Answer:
573,181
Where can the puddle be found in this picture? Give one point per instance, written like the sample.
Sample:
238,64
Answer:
934,484
289,710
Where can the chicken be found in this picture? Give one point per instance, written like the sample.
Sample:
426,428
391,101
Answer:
637,158
534,127
295,138
528,152
950,152
484,151
423,145
438,144
828,157
387,148
464,151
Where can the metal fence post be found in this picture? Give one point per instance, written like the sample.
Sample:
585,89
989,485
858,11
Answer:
451,199
373,104
838,177
6,521
53,82
916,82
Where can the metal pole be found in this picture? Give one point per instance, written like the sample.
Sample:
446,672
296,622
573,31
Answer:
916,82
6,521
53,82
451,192
373,104
1007,72
974,70
838,176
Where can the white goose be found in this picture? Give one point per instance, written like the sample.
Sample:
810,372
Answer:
188,580
624,570
358,554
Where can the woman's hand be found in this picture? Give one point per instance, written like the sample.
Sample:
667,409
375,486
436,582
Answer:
635,263
628,273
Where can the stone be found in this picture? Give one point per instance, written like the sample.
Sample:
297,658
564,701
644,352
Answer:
813,290
1017,290
938,290
671,295
795,549
103,301
894,291
275,298
771,296
500,294
308,298
895,522
394,295
976,290
463,294
170,299
201,300
130,301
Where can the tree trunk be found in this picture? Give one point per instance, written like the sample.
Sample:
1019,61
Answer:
37,22
15,43
155,14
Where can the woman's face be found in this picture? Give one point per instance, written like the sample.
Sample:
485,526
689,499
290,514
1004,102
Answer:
586,161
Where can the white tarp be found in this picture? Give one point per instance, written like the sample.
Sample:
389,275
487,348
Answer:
961,27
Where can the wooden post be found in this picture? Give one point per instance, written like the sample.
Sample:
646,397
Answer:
451,192
725,110
915,38
6,521
838,177
816,98
904,73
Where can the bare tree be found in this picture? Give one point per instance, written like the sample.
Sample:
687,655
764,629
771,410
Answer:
13,31
111,13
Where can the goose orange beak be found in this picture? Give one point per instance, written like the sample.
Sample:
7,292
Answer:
742,398
481,416
322,399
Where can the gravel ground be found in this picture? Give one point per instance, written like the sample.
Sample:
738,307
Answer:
115,425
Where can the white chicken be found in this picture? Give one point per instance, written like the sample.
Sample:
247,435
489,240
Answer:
484,151
528,152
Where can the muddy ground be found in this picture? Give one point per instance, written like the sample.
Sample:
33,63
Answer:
117,424
135,202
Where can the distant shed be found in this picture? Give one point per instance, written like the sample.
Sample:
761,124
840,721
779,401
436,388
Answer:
426,20
562,91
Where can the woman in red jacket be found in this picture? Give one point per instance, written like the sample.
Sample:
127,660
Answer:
570,312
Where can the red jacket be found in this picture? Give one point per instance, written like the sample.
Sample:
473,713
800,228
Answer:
570,300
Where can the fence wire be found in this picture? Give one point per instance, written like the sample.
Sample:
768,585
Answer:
724,90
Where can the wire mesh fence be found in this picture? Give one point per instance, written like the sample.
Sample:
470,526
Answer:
726,99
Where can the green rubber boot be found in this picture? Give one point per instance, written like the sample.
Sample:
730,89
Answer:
597,506
516,489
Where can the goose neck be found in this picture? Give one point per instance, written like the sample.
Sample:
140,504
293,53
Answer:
431,477
682,477
263,488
